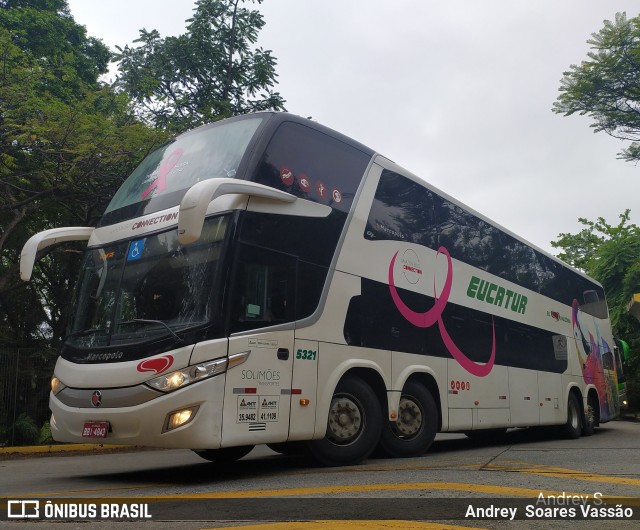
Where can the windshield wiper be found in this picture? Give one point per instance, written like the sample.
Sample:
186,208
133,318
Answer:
85,332
149,321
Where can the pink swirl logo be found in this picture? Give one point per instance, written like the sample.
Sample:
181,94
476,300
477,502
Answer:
433,315
156,365
160,184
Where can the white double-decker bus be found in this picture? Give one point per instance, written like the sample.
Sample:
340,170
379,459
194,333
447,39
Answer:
266,280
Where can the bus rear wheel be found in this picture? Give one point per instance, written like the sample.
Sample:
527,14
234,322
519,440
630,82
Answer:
589,422
226,454
413,432
573,428
353,426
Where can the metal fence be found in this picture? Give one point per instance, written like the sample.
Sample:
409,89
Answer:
25,375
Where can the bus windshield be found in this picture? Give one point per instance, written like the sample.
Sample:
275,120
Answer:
209,152
147,288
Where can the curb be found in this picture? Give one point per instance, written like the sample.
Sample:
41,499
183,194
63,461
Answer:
64,448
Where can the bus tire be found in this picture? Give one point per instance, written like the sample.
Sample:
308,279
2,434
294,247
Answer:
589,421
226,454
573,427
413,432
353,426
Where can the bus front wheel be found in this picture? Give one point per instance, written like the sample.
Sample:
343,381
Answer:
353,426
414,430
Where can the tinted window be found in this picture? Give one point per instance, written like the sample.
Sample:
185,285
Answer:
312,165
373,321
404,210
310,239
273,288
264,289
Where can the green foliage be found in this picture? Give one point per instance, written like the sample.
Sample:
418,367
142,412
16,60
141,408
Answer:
45,437
632,371
26,431
210,72
606,86
66,144
46,30
611,255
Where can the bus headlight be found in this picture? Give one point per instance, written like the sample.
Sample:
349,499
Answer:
191,374
56,385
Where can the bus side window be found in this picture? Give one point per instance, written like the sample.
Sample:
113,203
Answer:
264,289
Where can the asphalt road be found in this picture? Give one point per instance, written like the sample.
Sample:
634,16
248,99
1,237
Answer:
458,484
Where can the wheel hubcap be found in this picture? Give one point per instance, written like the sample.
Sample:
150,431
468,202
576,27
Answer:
409,420
345,420
590,415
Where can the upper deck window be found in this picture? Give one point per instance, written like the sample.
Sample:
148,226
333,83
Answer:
208,152
312,165
404,210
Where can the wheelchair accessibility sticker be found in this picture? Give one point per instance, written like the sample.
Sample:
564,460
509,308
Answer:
135,250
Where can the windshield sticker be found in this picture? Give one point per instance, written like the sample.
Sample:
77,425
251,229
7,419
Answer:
321,189
434,315
304,183
160,183
337,196
286,175
135,250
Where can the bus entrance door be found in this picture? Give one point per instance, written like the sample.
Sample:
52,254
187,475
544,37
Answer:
258,392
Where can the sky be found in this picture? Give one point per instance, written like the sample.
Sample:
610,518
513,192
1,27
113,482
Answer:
458,92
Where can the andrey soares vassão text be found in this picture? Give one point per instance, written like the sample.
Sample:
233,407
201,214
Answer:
563,506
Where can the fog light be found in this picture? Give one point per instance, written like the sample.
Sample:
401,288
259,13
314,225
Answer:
178,418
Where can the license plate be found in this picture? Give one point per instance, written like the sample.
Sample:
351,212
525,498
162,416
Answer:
95,429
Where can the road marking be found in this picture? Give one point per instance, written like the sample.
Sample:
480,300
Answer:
514,466
561,472
334,490
354,525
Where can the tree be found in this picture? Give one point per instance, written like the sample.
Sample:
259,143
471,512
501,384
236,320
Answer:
66,143
607,85
212,71
611,255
